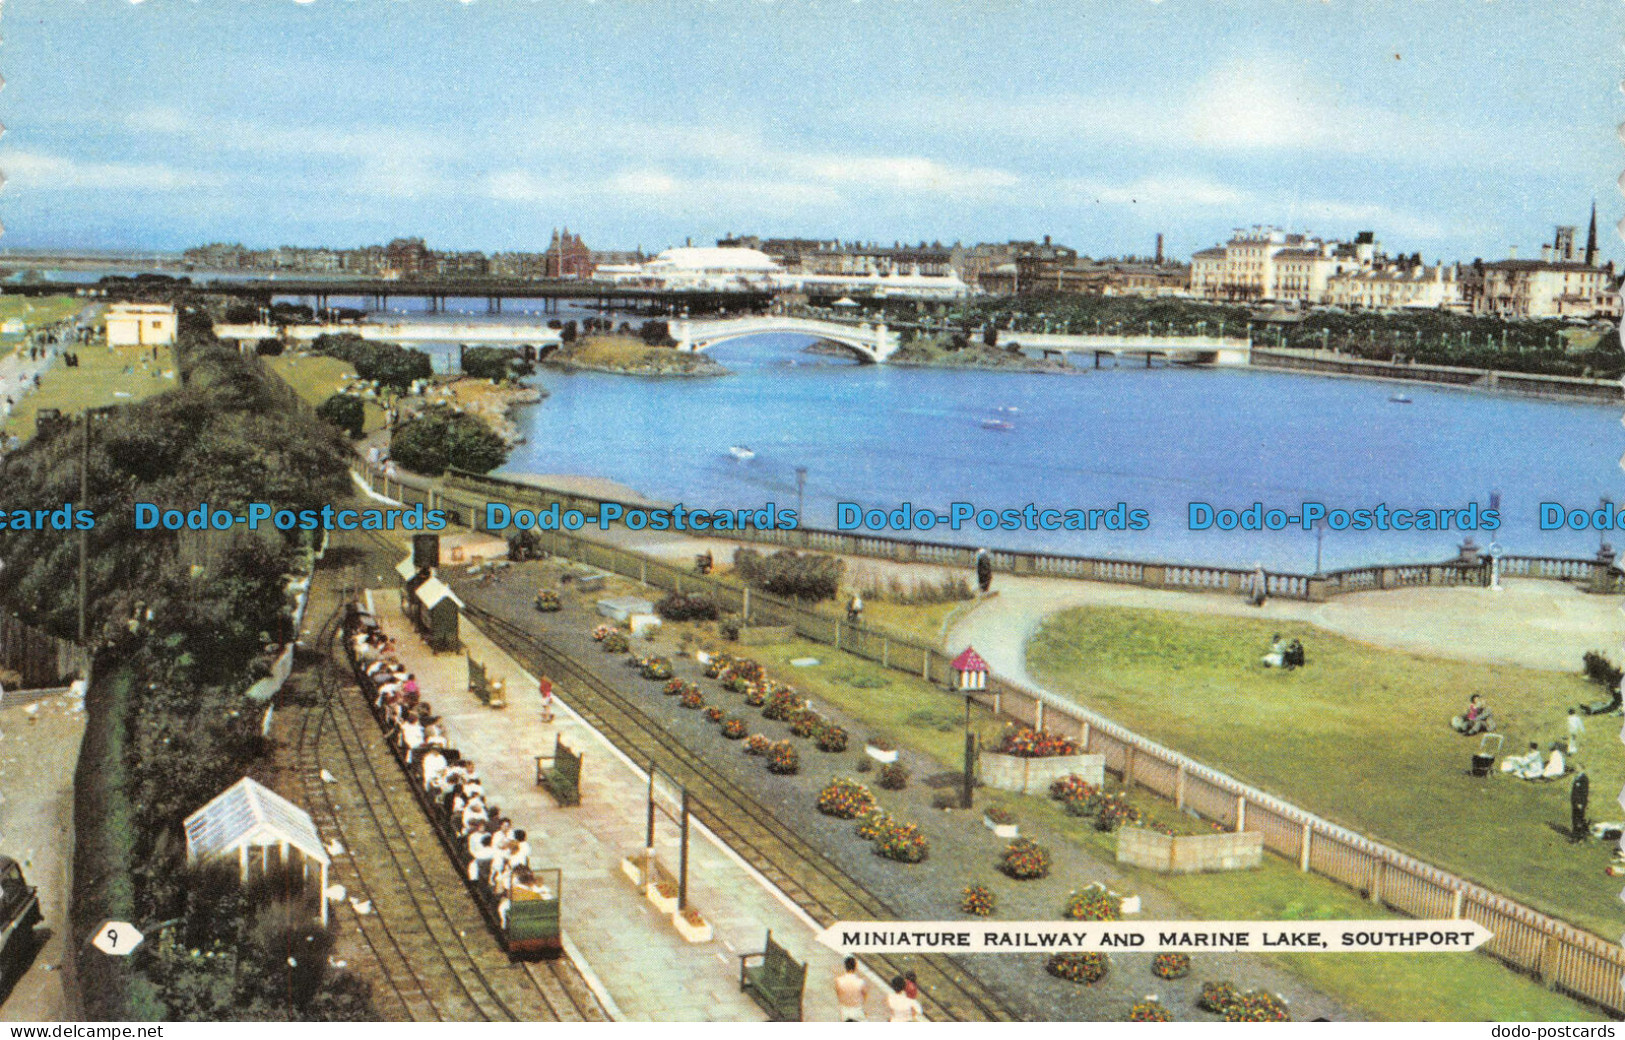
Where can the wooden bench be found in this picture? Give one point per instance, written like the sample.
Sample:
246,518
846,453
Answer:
489,691
776,983
560,773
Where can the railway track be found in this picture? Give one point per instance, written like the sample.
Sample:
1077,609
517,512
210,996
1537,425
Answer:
434,953
797,868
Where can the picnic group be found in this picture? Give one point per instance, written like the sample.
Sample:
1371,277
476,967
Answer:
494,853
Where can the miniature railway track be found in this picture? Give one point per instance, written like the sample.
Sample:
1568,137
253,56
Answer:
420,930
797,868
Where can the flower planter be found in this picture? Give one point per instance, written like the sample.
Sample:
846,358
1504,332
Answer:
1002,830
700,933
661,903
883,757
632,867
1034,775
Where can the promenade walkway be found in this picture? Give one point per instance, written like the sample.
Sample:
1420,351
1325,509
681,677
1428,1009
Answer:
647,970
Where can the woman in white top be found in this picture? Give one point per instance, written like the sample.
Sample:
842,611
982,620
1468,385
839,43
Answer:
903,1007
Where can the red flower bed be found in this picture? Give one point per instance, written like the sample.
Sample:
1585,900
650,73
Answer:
1036,743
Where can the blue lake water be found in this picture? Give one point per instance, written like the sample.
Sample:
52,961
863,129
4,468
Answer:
1157,440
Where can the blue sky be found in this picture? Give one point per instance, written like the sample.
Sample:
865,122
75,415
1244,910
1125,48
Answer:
1452,127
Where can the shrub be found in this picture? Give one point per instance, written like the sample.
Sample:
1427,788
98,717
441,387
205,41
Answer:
692,607
346,412
656,668
733,728
783,759
805,723
615,643
692,699
758,745
495,363
1171,965
1070,787
1112,810
845,799
1083,968
873,823
383,363
804,576
441,437
977,901
1025,860
1093,903
755,696
903,843
865,764
714,714
1149,1010
832,739
675,686
782,705
893,776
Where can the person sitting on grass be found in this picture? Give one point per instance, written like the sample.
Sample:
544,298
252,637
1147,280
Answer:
1556,766
1475,720
1526,766
1276,658
1293,658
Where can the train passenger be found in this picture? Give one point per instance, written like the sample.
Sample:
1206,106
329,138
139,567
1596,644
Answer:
432,766
481,853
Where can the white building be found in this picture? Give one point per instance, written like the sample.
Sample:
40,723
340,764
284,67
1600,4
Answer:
140,325
1549,289
740,269
1395,287
1270,264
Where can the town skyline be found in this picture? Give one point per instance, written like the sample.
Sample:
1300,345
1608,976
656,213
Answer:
642,127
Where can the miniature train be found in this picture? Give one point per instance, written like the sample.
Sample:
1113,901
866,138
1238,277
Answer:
533,930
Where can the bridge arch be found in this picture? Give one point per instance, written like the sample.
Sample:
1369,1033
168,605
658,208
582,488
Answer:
870,344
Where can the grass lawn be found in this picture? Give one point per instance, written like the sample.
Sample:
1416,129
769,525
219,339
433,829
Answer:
1381,986
315,379
47,310
103,377
1360,736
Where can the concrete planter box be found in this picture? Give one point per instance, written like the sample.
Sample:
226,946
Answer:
1002,830
764,635
701,933
1190,853
661,903
1034,775
632,867
885,758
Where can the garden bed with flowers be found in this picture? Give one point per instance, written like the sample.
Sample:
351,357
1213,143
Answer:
1028,761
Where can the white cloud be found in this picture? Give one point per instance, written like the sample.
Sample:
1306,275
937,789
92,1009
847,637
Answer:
39,170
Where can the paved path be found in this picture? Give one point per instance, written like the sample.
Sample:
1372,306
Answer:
37,758
648,970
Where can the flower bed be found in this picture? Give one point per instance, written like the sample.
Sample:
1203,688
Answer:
1222,998
601,632
1083,968
673,687
547,601
1070,787
1093,903
1216,996
692,699
615,643
1001,821
977,901
902,842
1025,860
1025,742
783,759
1037,774
663,894
692,926
714,714
805,723
1149,1010
758,745
755,696
831,738
782,705
873,823
1171,965
845,799
734,728
893,776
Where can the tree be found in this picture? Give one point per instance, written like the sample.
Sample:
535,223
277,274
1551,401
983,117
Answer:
495,363
383,363
440,437
346,412
268,348
990,334
568,334
656,334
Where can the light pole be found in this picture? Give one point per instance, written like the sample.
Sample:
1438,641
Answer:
801,486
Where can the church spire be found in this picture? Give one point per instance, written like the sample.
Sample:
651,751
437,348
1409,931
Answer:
1591,237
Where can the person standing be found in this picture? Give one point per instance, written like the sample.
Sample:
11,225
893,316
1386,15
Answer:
903,1008
852,993
1579,801
1577,728
544,686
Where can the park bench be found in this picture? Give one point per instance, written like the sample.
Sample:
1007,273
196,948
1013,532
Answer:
489,691
560,773
776,983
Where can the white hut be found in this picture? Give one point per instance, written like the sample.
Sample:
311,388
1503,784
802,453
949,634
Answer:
261,831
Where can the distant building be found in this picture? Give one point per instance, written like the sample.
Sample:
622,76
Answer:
408,258
140,325
722,268
1270,264
1563,283
568,257
1398,286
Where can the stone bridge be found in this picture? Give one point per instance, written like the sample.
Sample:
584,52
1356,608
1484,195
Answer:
872,343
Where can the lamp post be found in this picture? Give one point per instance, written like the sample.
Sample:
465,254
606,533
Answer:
970,677
801,486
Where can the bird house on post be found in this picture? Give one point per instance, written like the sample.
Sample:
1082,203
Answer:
970,671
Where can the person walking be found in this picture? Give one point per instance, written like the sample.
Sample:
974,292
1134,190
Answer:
852,993
1577,728
544,686
902,1007
1579,801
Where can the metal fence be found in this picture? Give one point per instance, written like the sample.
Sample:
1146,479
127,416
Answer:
1559,954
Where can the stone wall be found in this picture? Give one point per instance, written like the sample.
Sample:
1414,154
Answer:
1034,775
1189,853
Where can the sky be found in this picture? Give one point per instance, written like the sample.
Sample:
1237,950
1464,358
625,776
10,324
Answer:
1453,128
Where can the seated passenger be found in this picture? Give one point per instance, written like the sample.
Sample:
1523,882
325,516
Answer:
481,852
518,850
432,765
